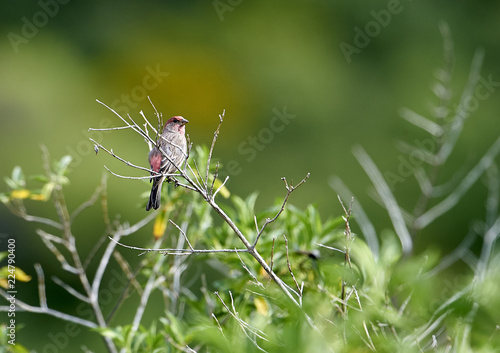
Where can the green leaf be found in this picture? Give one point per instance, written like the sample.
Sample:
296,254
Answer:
18,176
61,167
10,183
40,177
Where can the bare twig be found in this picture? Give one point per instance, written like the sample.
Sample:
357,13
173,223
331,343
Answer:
484,163
290,267
201,186
35,309
173,251
216,134
255,280
218,325
98,192
347,230
246,328
289,188
387,196
70,290
220,187
331,248
183,234
41,287
272,256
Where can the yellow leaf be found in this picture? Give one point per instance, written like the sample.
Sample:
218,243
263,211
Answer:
261,306
263,273
3,283
38,197
160,224
22,276
20,194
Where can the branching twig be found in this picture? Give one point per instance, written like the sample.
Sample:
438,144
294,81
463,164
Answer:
200,185
290,268
216,134
289,188
244,325
172,251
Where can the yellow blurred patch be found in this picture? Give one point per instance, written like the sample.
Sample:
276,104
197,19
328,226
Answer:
20,194
19,274
263,273
38,197
22,276
261,306
160,224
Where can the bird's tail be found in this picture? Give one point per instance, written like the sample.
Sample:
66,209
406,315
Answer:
155,196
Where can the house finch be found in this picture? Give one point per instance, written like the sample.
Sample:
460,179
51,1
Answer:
173,143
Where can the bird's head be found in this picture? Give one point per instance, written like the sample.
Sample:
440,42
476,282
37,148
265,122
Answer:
176,123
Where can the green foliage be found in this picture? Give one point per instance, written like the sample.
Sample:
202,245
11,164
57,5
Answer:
389,303
331,291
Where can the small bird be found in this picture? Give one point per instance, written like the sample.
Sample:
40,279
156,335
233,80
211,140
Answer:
173,143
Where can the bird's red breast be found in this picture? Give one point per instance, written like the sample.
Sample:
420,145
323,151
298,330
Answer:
155,158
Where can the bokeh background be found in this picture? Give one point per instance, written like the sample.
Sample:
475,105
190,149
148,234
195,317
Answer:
251,59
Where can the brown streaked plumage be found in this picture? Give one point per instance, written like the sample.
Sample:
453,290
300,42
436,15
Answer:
172,142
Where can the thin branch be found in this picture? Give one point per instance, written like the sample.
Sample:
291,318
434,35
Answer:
202,190
244,325
110,152
134,127
272,255
35,309
183,234
490,238
103,264
421,122
484,163
218,325
170,251
289,188
220,187
331,248
255,280
216,134
87,203
47,240
290,268
70,290
367,228
347,230
462,112
179,265
111,128
42,220
131,280
454,256
388,198
147,292
216,173
41,287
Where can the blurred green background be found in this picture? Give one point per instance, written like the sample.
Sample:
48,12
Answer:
251,59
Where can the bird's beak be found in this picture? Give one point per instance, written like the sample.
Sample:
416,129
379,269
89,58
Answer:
184,121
